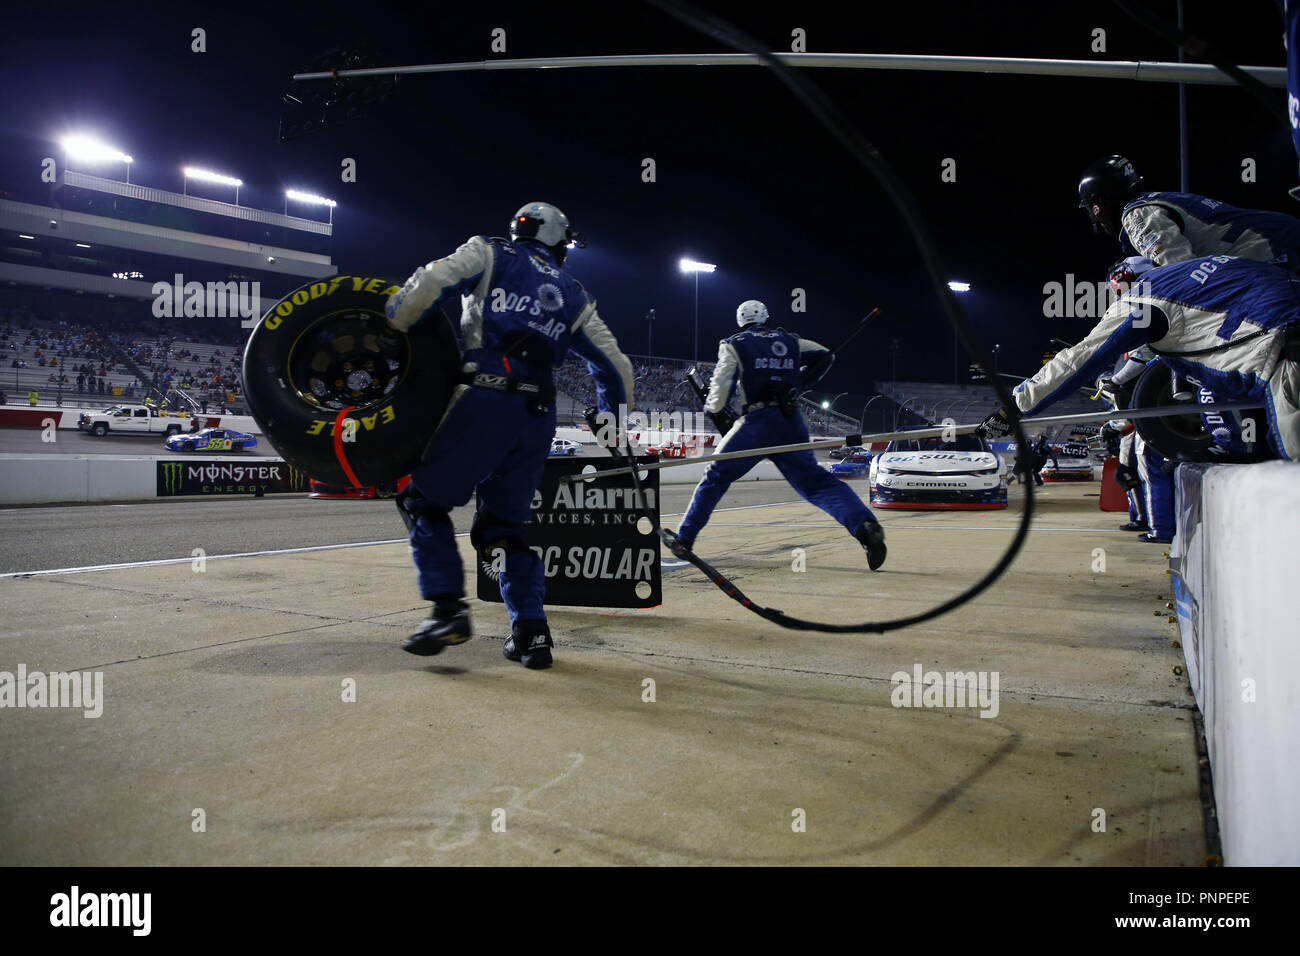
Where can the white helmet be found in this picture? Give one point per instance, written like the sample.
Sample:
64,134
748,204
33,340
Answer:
545,223
751,312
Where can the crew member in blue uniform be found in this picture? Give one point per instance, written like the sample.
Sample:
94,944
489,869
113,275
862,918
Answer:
521,314
763,367
1169,227
1228,325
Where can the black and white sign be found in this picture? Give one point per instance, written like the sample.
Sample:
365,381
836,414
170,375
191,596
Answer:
594,545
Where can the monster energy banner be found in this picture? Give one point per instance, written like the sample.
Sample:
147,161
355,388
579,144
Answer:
206,477
596,547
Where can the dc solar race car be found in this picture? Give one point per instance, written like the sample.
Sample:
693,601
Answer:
564,446
929,474
212,439
853,466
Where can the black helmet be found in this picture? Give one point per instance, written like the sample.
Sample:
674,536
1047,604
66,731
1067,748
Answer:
1104,188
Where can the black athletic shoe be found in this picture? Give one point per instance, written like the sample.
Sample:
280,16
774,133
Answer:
530,644
676,544
872,538
1149,538
436,633
1135,526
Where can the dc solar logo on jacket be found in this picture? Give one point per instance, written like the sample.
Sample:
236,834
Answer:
530,294
767,357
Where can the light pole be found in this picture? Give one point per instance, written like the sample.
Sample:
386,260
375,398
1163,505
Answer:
830,406
650,333
959,287
901,409
862,422
690,265
996,350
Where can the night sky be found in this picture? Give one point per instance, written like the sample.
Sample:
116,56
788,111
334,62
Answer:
745,178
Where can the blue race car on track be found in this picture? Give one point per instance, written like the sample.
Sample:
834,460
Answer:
853,466
212,439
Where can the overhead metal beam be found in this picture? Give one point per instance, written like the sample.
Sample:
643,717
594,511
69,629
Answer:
1149,71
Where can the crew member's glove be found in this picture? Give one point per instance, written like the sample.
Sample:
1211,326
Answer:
996,425
723,420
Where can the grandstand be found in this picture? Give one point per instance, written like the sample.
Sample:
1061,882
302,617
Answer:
930,402
91,280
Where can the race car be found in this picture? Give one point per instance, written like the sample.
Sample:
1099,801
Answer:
563,446
929,474
845,451
854,466
671,450
320,489
212,439
1069,462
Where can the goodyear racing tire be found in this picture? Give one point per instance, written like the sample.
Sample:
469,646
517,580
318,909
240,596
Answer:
318,363
1180,437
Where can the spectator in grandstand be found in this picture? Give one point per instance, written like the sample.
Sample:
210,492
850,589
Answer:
33,397
4,399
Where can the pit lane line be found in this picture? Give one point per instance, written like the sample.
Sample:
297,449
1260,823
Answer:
163,562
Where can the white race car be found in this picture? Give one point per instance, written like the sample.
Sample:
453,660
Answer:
564,447
929,474
1067,461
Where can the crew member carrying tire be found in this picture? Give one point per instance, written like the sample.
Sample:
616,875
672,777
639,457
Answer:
522,313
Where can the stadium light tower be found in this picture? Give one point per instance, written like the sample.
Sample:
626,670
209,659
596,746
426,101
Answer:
690,265
207,176
309,198
87,149
959,287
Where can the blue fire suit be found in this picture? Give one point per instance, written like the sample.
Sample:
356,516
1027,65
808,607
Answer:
761,366
1220,322
1169,227
521,314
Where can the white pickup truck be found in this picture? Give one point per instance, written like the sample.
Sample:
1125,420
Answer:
132,419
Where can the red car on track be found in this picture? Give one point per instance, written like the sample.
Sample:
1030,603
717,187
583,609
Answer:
320,489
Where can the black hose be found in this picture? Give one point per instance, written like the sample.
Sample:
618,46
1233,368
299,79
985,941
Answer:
842,129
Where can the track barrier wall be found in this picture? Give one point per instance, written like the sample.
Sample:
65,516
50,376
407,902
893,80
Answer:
1235,565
